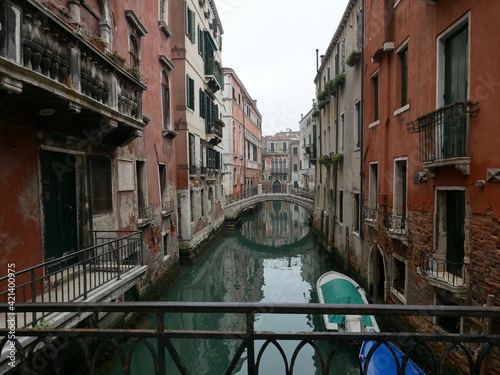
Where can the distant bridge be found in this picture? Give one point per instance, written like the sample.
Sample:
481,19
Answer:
237,203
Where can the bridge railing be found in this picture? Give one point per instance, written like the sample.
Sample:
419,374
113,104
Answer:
50,346
302,192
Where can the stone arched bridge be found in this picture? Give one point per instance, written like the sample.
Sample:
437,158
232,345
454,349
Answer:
236,204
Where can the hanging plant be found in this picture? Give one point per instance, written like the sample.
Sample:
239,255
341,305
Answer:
337,159
330,87
315,113
339,80
354,58
323,95
322,104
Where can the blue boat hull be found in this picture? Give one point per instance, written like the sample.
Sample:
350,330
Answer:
383,360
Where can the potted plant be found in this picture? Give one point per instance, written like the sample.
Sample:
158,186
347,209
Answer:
330,87
135,72
354,58
116,57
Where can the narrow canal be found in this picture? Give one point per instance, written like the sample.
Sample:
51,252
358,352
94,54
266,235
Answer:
271,257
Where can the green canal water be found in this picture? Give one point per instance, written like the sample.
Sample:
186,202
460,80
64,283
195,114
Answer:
271,257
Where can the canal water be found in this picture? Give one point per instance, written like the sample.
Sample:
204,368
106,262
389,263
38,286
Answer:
271,257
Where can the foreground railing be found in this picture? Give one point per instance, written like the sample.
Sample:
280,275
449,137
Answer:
442,270
52,346
72,276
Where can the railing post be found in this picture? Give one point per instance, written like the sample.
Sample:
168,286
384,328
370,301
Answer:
33,293
251,343
85,275
160,328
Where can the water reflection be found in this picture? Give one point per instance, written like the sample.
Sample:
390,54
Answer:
272,258
276,224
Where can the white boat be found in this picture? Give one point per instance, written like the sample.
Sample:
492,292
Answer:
336,288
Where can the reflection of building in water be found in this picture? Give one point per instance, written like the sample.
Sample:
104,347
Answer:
277,224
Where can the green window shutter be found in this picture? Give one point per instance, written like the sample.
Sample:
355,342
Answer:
187,21
217,160
192,26
202,104
190,92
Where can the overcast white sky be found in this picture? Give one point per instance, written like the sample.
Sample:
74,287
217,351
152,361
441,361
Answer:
271,45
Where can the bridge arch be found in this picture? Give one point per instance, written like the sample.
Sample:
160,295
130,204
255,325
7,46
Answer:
234,209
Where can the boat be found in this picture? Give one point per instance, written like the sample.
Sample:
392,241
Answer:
334,287
383,360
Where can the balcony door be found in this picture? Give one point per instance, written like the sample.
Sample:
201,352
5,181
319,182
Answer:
59,204
450,230
456,74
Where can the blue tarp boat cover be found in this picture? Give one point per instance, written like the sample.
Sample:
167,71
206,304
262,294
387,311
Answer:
342,291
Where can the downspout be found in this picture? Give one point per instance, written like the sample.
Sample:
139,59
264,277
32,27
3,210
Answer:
361,130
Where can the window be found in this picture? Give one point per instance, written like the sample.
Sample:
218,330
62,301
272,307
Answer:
269,178
450,229
400,188
190,92
285,177
373,186
165,99
357,124
295,167
342,51
356,211
403,63
162,172
454,63
341,207
399,282
201,45
295,151
341,135
190,25
359,30
284,146
164,11
192,154
375,97
142,199
272,146
135,60
165,239
101,185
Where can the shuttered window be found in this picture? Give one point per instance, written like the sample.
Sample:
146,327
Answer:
101,185
190,25
190,92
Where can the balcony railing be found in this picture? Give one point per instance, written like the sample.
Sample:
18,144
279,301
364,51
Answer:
74,276
301,192
70,72
214,72
214,127
443,271
311,150
246,193
370,214
245,343
443,132
396,224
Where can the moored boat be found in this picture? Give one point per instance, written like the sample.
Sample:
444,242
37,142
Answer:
336,288
384,358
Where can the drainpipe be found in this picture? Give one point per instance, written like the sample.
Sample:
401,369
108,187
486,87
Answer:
244,147
361,131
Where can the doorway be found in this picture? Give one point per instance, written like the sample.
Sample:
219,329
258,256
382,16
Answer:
59,204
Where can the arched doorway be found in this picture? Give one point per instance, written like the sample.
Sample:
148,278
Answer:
377,274
276,186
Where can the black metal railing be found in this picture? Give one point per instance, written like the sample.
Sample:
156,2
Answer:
311,150
212,68
302,192
74,276
246,193
466,350
370,214
214,126
396,224
274,188
443,270
443,132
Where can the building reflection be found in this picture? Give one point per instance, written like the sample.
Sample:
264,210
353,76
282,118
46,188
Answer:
276,224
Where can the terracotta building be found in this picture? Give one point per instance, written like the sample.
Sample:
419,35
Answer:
197,119
85,98
432,201
242,157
